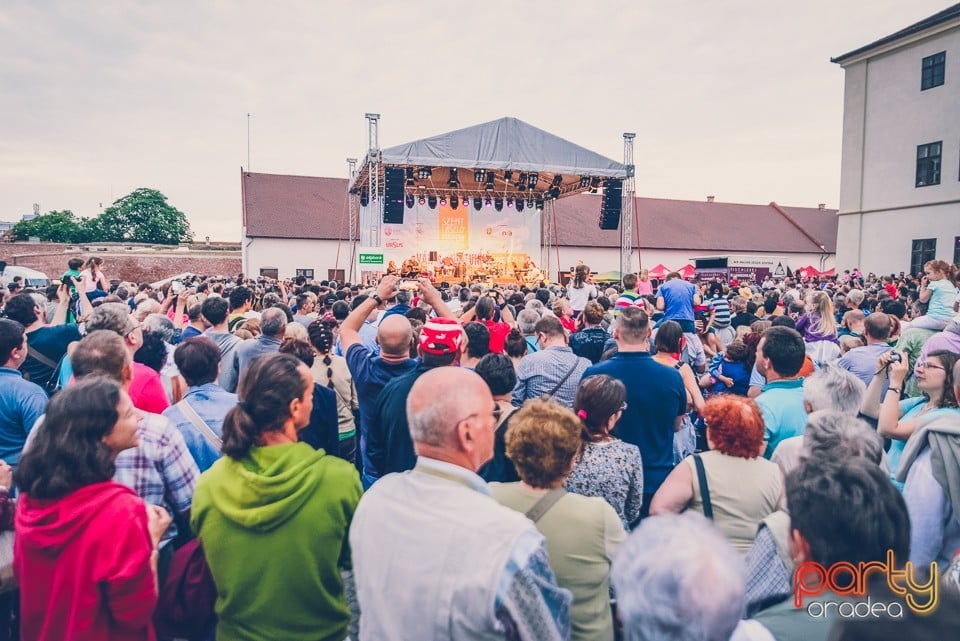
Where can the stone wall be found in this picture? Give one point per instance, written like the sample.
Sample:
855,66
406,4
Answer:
137,266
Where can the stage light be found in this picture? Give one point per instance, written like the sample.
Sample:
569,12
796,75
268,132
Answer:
554,193
557,180
443,201
478,175
532,180
584,181
432,202
424,172
509,202
410,200
594,185
530,203
454,202
539,204
519,204
508,175
422,200
364,199
454,181
409,177
488,202
488,185
498,204
477,204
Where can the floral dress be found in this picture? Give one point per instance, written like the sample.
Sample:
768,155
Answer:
613,471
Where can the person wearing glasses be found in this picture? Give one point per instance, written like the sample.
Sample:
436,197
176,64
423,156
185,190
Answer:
583,533
434,556
606,466
898,419
146,389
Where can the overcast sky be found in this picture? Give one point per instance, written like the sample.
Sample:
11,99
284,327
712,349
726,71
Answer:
737,99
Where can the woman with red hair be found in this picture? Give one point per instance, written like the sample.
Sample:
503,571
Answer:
742,486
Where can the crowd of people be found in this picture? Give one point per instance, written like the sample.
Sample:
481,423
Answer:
253,459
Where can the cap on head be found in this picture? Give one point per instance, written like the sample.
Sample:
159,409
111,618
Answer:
441,336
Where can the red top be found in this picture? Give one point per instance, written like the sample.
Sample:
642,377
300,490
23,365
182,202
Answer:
83,563
568,324
146,390
498,334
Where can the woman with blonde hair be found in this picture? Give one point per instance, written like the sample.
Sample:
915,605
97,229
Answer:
819,329
644,286
582,532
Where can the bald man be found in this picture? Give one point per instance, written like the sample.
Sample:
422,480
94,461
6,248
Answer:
371,371
434,556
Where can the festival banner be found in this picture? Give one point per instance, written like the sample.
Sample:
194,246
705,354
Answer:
451,245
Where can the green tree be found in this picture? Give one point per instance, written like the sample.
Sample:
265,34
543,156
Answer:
55,226
142,216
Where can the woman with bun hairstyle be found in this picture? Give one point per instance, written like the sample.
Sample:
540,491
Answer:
273,513
606,466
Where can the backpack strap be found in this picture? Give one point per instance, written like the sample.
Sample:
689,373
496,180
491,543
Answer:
556,388
704,489
546,502
36,355
211,437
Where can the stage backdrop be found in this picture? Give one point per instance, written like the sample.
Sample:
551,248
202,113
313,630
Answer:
489,242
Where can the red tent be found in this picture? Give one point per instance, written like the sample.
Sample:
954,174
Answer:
659,272
687,271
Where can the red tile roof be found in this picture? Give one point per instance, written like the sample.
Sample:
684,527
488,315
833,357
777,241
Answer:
701,226
278,206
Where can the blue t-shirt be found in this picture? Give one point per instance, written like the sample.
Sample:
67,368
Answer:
911,408
944,294
677,295
781,403
655,398
21,404
370,375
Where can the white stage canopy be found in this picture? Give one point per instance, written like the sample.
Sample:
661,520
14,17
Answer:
507,143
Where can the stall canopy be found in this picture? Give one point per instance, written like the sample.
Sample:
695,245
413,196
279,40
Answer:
659,272
495,156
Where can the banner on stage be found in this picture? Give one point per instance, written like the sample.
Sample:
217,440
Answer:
455,244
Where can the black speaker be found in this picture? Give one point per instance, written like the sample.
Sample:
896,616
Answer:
393,183
611,205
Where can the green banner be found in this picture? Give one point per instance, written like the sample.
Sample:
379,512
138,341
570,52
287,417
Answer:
371,259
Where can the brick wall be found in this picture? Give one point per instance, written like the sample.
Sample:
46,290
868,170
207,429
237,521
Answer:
51,258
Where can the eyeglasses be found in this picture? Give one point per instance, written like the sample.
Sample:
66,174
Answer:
926,365
497,413
132,329
623,408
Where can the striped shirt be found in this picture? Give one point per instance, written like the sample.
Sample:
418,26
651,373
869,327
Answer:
721,312
628,298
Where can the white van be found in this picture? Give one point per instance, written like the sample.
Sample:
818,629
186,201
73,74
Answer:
31,277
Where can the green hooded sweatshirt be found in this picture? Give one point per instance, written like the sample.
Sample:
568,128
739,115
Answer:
274,531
